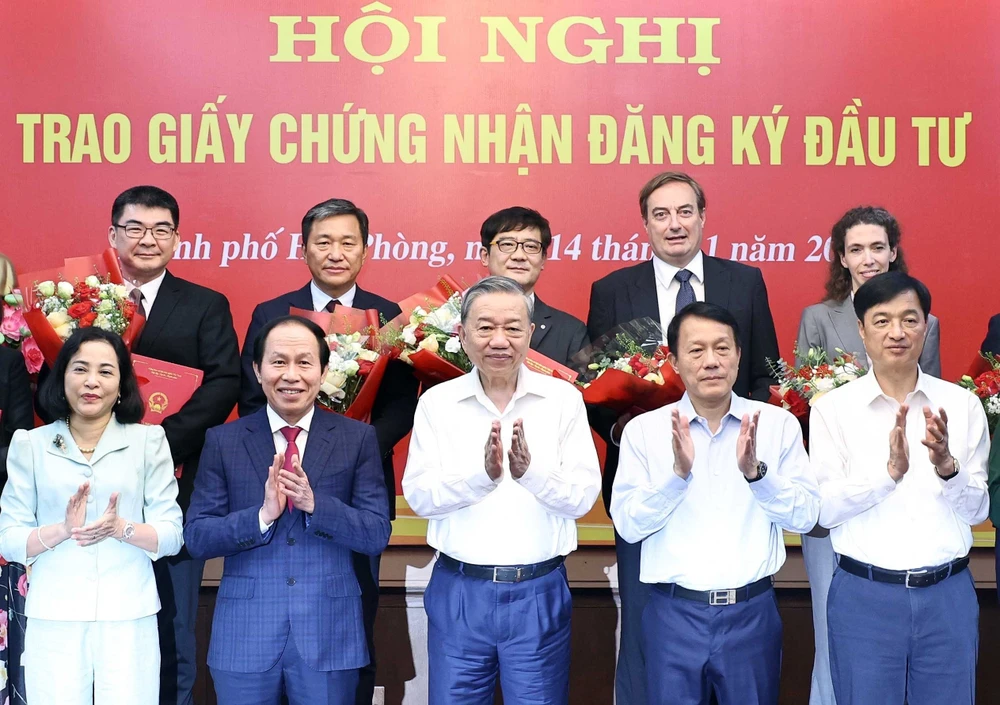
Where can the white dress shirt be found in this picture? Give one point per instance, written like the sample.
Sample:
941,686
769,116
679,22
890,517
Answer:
280,444
321,298
714,530
149,291
667,287
920,521
508,522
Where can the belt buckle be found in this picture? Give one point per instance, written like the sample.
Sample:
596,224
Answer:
906,582
518,573
721,598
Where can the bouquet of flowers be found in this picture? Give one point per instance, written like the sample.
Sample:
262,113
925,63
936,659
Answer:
799,387
627,368
14,331
986,386
353,378
86,291
425,334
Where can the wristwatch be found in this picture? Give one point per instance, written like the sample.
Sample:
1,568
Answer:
128,532
761,471
954,461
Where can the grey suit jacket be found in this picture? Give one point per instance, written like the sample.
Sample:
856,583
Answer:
833,324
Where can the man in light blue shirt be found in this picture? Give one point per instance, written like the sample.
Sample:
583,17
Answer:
708,501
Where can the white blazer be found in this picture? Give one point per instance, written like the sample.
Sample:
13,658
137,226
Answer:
111,580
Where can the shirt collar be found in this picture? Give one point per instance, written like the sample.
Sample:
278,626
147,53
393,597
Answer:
277,423
872,390
664,271
149,289
321,298
738,406
527,383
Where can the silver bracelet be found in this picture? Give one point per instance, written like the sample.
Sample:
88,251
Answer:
38,533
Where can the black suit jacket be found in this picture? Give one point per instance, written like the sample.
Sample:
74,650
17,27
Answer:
630,293
392,414
192,325
992,340
558,335
16,410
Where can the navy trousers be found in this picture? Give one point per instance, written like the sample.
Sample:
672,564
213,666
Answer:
890,644
291,677
630,675
478,630
178,580
694,650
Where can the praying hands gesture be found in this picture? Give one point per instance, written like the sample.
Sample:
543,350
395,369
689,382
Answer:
518,456
110,524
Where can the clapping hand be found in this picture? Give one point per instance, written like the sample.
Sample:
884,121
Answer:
746,446
110,524
682,444
274,498
76,510
936,441
296,488
494,453
899,450
518,454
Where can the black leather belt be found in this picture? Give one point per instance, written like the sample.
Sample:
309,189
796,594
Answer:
921,577
502,573
717,598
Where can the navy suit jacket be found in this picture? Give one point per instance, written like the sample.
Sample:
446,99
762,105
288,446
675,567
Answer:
15,402
991,343
630,293
293,582
558,335
392,414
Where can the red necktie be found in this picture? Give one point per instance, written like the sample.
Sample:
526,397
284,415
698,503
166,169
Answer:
290,433
136,297
331,305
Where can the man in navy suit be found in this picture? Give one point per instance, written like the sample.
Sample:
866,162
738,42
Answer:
335,241
188,325
672,205
285,495
516,245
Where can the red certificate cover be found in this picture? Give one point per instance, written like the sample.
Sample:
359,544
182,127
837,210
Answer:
164,387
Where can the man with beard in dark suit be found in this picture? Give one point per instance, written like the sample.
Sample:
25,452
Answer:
515,245
188,325
672,205
335,241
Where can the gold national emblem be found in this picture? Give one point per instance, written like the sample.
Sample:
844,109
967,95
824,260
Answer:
158,402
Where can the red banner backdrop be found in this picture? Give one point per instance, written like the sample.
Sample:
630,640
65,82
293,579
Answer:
432,115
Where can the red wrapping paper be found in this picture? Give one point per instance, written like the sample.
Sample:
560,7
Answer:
620,391
345,321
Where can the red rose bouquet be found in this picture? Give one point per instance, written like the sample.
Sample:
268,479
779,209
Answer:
986,386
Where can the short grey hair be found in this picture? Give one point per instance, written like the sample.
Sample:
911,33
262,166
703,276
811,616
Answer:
331,208
494,285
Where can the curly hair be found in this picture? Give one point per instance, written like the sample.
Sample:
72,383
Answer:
838,284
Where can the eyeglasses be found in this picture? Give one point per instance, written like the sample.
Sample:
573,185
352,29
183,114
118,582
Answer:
137,231
530,247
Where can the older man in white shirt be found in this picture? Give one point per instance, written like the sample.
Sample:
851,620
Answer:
901,461
501,517
707,485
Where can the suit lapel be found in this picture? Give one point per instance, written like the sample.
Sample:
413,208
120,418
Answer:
259,443
717,282
543,325
323,434
642,293
167,299
845,324
301,298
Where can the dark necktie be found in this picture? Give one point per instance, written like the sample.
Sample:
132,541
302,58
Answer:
290,433
136,297
685,295
331,305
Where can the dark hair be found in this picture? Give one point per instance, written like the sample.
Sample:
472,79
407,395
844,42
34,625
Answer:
885,287
838,284
147,197
700,309
261,340
515,219
670,177
52,395
331,208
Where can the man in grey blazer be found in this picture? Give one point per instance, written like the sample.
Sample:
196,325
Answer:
516,244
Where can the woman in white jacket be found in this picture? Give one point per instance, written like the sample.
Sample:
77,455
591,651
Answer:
90,502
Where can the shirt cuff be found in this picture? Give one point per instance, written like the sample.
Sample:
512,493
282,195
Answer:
766,487
264,528
675,484
884,485
956,484
481,483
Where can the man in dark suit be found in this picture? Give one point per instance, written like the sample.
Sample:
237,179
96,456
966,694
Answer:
16,411
673,213
516,244
334,240
991,343
188,325
285,495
